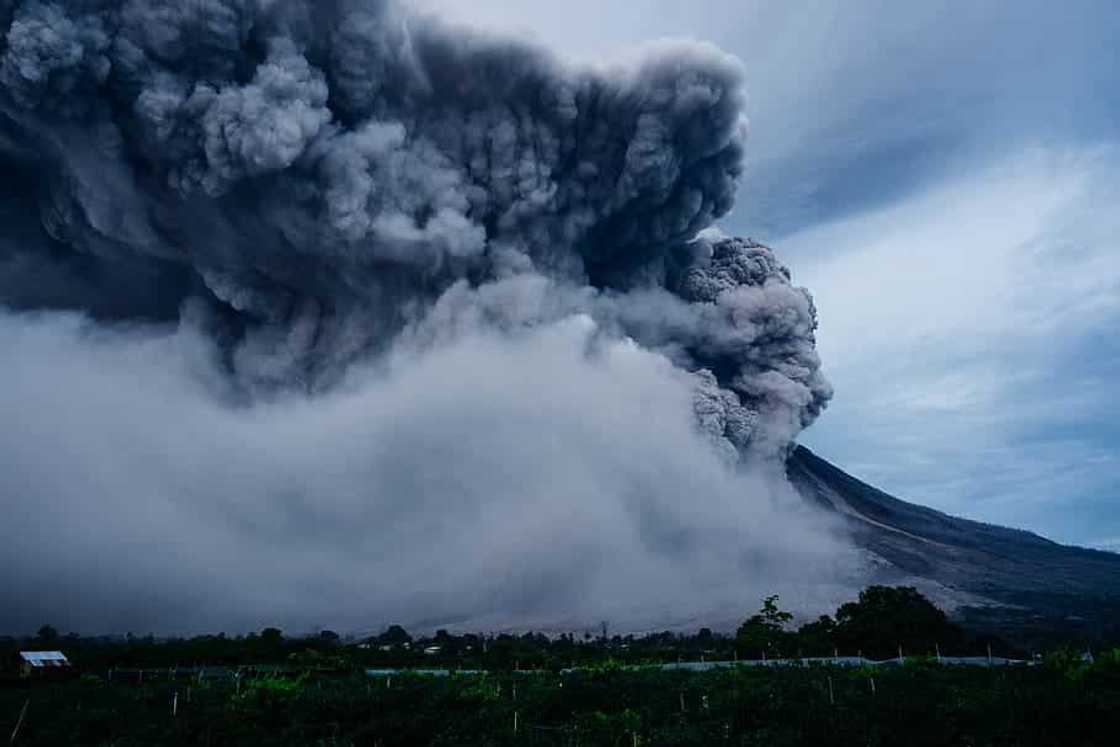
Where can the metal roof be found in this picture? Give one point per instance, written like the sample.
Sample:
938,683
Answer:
44,658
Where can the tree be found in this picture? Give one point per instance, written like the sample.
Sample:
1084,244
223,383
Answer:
766,631
47,634
395,635
272,636
887,617
818,638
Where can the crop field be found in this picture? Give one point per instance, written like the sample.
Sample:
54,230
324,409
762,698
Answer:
1060,702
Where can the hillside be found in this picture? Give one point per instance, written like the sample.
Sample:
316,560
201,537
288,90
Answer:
1004,580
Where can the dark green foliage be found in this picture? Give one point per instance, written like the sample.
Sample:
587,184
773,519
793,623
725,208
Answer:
1066,702
395,635
765,633
271,636
885,618
266,689
818,638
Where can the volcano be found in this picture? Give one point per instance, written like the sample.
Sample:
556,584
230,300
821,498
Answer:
992,579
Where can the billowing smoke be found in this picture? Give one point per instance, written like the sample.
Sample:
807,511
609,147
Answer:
429,314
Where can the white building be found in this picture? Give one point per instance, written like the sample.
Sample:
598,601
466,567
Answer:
32,662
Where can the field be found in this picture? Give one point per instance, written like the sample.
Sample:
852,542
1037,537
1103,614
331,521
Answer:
1060,702
530,689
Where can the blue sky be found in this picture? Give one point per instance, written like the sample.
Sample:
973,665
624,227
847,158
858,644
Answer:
944,177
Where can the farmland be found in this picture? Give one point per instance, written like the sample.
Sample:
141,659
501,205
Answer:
887,669
1063,701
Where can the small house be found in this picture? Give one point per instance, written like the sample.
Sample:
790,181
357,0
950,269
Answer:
42,662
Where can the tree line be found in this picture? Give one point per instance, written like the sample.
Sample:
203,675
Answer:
876,625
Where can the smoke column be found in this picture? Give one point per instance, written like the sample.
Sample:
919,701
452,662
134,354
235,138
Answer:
328,309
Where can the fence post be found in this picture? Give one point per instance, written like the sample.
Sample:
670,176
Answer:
175,704
872,685
937,649
900,653
831,696
19,722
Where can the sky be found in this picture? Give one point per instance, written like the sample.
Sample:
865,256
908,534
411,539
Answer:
943,177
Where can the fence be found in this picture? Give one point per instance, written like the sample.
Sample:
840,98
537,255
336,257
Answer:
706,666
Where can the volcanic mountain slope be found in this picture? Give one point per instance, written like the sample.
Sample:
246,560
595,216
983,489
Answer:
993,578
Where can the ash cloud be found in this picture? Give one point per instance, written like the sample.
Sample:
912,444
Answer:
380,292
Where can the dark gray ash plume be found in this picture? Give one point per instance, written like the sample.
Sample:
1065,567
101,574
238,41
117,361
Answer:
313,176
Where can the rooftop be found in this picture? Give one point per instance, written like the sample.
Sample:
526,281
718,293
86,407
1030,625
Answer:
45,658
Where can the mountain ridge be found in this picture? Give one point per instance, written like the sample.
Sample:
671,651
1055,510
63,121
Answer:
991,577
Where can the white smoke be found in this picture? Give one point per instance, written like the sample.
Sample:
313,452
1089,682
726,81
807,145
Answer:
548,477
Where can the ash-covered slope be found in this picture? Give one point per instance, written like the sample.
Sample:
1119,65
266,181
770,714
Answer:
994,577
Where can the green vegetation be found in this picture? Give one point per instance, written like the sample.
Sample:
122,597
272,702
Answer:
882,621
1065,702
269,689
